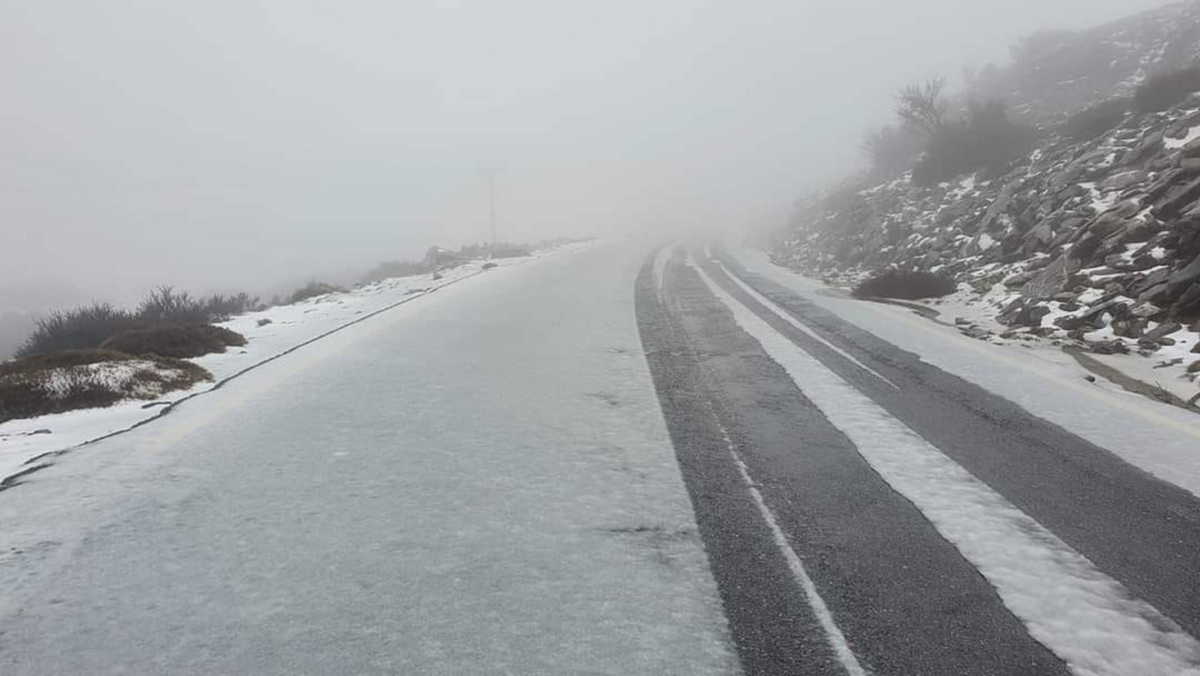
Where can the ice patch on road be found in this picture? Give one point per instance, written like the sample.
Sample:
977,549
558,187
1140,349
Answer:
1088,619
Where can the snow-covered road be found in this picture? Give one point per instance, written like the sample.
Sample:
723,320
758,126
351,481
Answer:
602,461
477,482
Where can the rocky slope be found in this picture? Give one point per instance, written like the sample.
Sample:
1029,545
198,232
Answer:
1053,72
1094,242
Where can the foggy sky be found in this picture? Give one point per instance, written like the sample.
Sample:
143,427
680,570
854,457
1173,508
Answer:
223,145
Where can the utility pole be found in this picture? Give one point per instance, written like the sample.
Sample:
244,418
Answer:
492,208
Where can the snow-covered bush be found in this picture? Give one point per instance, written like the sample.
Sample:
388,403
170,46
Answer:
74,379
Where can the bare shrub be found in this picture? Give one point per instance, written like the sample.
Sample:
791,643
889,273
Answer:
905,284
1163,90
923,106
1095,120
83,327
221,307
89,326
180,341
985,140
312,290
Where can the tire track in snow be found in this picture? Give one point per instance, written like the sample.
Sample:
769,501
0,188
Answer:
1081,614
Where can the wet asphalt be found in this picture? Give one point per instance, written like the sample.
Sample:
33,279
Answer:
906,600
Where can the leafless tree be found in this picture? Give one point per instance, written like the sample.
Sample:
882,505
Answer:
922,106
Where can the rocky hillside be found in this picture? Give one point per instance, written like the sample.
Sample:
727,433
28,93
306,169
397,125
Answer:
1093,241
1056,72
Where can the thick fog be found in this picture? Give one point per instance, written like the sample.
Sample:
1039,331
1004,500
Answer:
227,145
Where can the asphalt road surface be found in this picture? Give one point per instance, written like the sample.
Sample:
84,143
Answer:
601,462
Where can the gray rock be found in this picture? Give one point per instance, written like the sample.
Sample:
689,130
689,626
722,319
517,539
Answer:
1153,279
1188,301
1032,316
1145,310
1124,179
1019,279
1153,294
1111,347
1048,281
1188,274
1162,330
1150,144
1130,328
1177,199
1113,307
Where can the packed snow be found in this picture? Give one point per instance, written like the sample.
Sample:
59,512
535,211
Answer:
269,333
120,376
428,491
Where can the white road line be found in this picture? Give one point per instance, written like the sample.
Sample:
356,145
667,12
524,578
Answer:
787,317
1085,617
833,634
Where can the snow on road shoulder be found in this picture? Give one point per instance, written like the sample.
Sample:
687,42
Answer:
1162,440
1088,619
269,333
